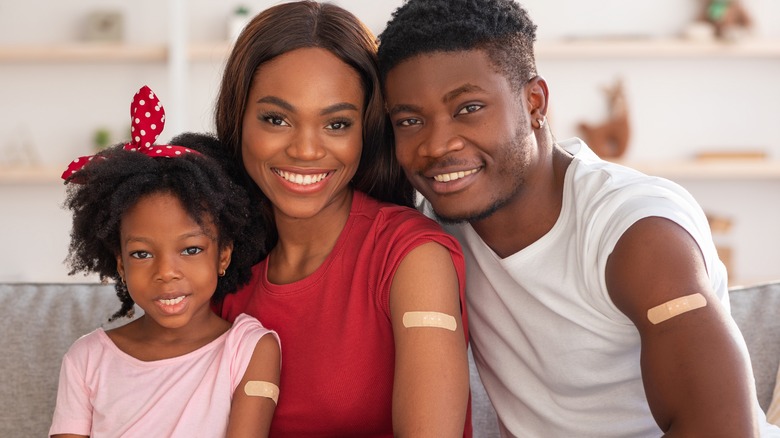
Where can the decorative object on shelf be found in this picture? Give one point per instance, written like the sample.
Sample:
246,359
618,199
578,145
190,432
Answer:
609,139
729,17
101,139
104,26
20,149
721,231
237,21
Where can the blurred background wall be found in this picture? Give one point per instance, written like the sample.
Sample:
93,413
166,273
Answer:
57,90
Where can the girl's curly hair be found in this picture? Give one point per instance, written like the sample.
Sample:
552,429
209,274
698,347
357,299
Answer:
115,180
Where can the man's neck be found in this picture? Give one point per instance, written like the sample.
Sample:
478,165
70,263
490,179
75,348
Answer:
531,213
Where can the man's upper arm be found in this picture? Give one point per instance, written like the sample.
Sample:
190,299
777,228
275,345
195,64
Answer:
694,370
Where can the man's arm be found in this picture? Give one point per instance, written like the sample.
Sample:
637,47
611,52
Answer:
695,375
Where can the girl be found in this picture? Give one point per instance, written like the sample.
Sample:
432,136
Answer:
366,294
172,230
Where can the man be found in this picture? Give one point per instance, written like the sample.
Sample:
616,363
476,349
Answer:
597,304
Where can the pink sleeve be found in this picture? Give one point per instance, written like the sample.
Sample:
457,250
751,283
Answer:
246,333
73,412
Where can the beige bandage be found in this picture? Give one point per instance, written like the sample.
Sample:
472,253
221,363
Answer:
429,319
672,308
259,388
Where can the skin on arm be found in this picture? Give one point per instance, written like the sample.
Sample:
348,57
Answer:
250,416
69,435
431,387
694,373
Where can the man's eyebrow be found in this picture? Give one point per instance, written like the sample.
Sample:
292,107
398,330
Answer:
401,108
278,101
338,107
466,88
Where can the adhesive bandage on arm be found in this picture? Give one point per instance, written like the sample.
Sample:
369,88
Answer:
259,388
429,319
674,307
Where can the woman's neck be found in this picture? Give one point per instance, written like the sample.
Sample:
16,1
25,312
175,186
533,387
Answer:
305,243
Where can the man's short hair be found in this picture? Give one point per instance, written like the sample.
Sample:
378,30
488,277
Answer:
502,28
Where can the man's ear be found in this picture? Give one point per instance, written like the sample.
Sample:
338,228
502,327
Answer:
537,96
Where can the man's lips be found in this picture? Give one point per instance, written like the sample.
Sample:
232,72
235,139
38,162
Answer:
456,175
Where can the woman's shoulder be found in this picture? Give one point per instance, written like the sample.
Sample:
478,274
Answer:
391,214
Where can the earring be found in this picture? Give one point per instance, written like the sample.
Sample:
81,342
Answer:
222,273
541,122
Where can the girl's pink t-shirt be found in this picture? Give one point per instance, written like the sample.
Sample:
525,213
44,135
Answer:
106,392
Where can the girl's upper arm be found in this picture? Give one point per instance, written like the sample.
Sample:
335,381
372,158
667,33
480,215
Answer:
250,415
431,385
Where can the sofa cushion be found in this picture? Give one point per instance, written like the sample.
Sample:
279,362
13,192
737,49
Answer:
756,310
38,323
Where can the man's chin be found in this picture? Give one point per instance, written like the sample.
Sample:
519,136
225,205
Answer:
459,217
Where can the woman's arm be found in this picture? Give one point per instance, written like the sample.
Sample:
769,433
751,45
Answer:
252,409
431,386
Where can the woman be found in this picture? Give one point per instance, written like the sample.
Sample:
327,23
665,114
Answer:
364,292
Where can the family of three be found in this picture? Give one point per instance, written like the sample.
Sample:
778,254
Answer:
292,286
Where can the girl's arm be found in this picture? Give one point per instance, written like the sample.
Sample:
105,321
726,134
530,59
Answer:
69,435
431,386
250,415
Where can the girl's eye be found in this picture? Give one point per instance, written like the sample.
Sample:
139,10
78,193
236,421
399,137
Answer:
470,108
408,122
275,120
140,255
192,250
339,125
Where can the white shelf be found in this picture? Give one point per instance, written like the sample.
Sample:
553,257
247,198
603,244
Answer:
721,170
31,174
83,52
716,170
100,52
567,49
656,48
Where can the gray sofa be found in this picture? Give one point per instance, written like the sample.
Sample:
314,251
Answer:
38,322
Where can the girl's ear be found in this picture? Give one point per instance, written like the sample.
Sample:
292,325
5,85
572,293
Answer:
120,267
224,258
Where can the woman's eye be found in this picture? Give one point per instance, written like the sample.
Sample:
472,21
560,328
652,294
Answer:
140,255
192,250
275,120
470,108
338,125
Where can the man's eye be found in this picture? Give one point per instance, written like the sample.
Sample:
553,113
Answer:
140,255
192,250
408,122
470,108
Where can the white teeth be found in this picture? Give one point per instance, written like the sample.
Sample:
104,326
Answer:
447,177
303,180
173,301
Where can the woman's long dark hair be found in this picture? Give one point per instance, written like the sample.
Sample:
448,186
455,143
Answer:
290,26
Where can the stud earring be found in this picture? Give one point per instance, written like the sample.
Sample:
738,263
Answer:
541,122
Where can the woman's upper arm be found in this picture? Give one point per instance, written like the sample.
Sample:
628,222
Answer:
431,384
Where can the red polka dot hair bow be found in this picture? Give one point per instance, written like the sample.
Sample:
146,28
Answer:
147,121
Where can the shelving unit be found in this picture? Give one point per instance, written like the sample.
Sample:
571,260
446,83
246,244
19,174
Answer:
565,49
